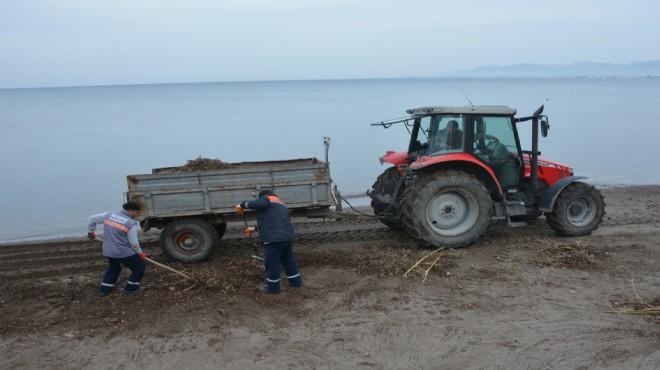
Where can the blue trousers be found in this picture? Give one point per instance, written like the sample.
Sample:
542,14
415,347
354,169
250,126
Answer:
276,254
134,263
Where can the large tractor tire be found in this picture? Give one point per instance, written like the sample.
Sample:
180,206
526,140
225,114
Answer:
189,240
386,184
579,210
447,209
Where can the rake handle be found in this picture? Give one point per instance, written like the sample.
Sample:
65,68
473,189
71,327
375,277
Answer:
160,264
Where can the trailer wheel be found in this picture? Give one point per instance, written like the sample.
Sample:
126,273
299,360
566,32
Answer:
385,185
448,209
221,229
189,240
579,210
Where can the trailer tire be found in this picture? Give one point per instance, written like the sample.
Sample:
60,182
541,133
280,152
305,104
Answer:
386,184
189,240
221,229
578,210
446,209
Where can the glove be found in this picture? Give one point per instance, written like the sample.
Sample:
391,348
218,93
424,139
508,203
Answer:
143,256
239,209
250,230
91,235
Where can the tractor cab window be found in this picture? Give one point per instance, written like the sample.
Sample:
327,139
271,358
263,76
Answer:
420,145
446,136
495,144
494,138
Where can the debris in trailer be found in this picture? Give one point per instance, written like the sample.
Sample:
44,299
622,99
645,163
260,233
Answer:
199,164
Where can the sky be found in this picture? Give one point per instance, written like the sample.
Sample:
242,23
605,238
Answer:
49,43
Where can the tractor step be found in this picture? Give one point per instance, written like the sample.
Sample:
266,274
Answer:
510,208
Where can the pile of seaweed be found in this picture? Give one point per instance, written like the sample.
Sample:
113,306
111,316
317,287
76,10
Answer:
199,164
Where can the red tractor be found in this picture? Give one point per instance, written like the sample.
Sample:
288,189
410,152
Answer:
465,165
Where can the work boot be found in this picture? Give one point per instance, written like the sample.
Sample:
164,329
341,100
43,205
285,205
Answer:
264,288
138,290
297,285
103,294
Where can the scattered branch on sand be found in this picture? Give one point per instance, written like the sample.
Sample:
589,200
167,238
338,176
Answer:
380,260
632,285
641,307
565,255
426,272
643,311
227,275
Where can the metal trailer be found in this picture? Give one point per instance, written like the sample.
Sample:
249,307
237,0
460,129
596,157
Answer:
193,208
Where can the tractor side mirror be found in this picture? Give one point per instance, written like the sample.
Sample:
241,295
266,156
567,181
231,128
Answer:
545,126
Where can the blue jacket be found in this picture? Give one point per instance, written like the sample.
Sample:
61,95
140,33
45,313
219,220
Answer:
273,219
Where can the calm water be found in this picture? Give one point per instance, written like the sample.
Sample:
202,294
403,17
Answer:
65,152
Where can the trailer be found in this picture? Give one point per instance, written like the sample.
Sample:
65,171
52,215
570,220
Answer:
193,208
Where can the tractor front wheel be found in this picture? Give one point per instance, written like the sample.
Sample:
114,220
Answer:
579,210
448,209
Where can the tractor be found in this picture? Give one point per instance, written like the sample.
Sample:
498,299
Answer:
465,166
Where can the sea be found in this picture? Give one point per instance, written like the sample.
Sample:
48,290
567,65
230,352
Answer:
65,152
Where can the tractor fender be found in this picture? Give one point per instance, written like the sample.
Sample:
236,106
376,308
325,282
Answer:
462,162
550,194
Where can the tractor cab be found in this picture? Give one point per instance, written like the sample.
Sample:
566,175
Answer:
484,133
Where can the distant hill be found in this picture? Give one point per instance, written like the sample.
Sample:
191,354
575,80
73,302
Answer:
584,69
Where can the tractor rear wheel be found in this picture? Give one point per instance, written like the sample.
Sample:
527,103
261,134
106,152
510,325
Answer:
447,209
579,210
386,185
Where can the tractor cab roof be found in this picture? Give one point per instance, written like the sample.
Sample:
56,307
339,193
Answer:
488,110
476,109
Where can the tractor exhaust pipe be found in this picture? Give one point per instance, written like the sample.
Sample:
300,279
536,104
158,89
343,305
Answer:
535,149
535,153
535,145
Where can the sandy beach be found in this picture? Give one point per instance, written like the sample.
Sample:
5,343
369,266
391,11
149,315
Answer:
519,298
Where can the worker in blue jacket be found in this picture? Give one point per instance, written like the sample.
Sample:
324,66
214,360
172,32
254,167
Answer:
120,246
276,235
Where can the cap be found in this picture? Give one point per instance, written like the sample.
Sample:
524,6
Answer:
266,192
131,206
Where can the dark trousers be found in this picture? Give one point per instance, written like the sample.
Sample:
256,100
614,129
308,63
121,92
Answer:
134,263
276,254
